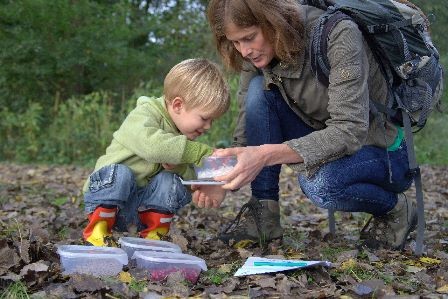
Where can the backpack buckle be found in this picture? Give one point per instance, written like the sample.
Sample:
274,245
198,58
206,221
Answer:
380,28
412,172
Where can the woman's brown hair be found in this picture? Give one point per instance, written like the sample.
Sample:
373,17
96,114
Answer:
279,21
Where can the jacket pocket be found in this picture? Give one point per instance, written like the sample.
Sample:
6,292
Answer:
103,178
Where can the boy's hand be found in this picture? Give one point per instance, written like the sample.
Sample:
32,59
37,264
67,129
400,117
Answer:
168,166
208,196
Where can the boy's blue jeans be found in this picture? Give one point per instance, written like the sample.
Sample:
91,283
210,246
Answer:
115,185
355,183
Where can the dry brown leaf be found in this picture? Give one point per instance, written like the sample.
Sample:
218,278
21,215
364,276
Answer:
244,253
414,269
86,283
268,282
225,268
347,255
443,289
180,240
39,266
369,287
284,286
8,257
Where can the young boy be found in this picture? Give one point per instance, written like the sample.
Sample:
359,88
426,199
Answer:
137,181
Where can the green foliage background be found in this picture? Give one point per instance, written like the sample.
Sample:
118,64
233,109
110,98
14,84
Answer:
71,70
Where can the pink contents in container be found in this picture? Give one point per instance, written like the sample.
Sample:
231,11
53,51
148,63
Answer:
161,264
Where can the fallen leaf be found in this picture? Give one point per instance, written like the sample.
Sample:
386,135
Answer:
266,282
243,244
56,291
348,264
180,240
86,283
428,260
125,277
347,255
414,269
8,257
372,258
284,286
9,278
368,287
244,253
36,267
227,287
443,289
225,268
176,283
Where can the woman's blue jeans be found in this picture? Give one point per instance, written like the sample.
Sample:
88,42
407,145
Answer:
355,183
115,185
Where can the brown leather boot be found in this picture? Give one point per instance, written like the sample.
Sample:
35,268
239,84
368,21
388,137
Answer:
257,221
391,230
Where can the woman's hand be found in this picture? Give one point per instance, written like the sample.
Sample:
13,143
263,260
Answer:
251,161
208,196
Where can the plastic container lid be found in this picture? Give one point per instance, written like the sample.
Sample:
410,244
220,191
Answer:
145,244
80,251
171,258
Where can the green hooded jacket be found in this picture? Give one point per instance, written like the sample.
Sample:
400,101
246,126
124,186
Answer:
146,139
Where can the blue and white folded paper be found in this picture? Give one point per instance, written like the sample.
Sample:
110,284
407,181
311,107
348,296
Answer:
260,265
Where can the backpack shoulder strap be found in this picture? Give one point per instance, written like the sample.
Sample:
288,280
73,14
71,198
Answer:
319,43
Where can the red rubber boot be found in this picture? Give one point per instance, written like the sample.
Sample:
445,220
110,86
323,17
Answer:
100,226
157,224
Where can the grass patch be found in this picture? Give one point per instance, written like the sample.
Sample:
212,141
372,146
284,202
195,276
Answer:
299,272
293,239
354,269
138,285
10,229
217,276
330,253
63,233
60,201
16,290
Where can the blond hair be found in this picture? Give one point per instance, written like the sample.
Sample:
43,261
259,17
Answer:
200,83
279,21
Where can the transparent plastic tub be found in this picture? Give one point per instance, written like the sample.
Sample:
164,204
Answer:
215,166
130,245
97,261
161,264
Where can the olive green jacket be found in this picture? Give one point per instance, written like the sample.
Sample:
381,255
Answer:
339,112
147,138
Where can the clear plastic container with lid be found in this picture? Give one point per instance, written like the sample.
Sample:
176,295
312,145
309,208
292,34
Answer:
131,245
215,166
97,261
161,264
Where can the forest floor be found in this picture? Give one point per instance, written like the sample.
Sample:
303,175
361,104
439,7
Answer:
42,208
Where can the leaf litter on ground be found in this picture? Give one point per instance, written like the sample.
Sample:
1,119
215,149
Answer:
42,207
